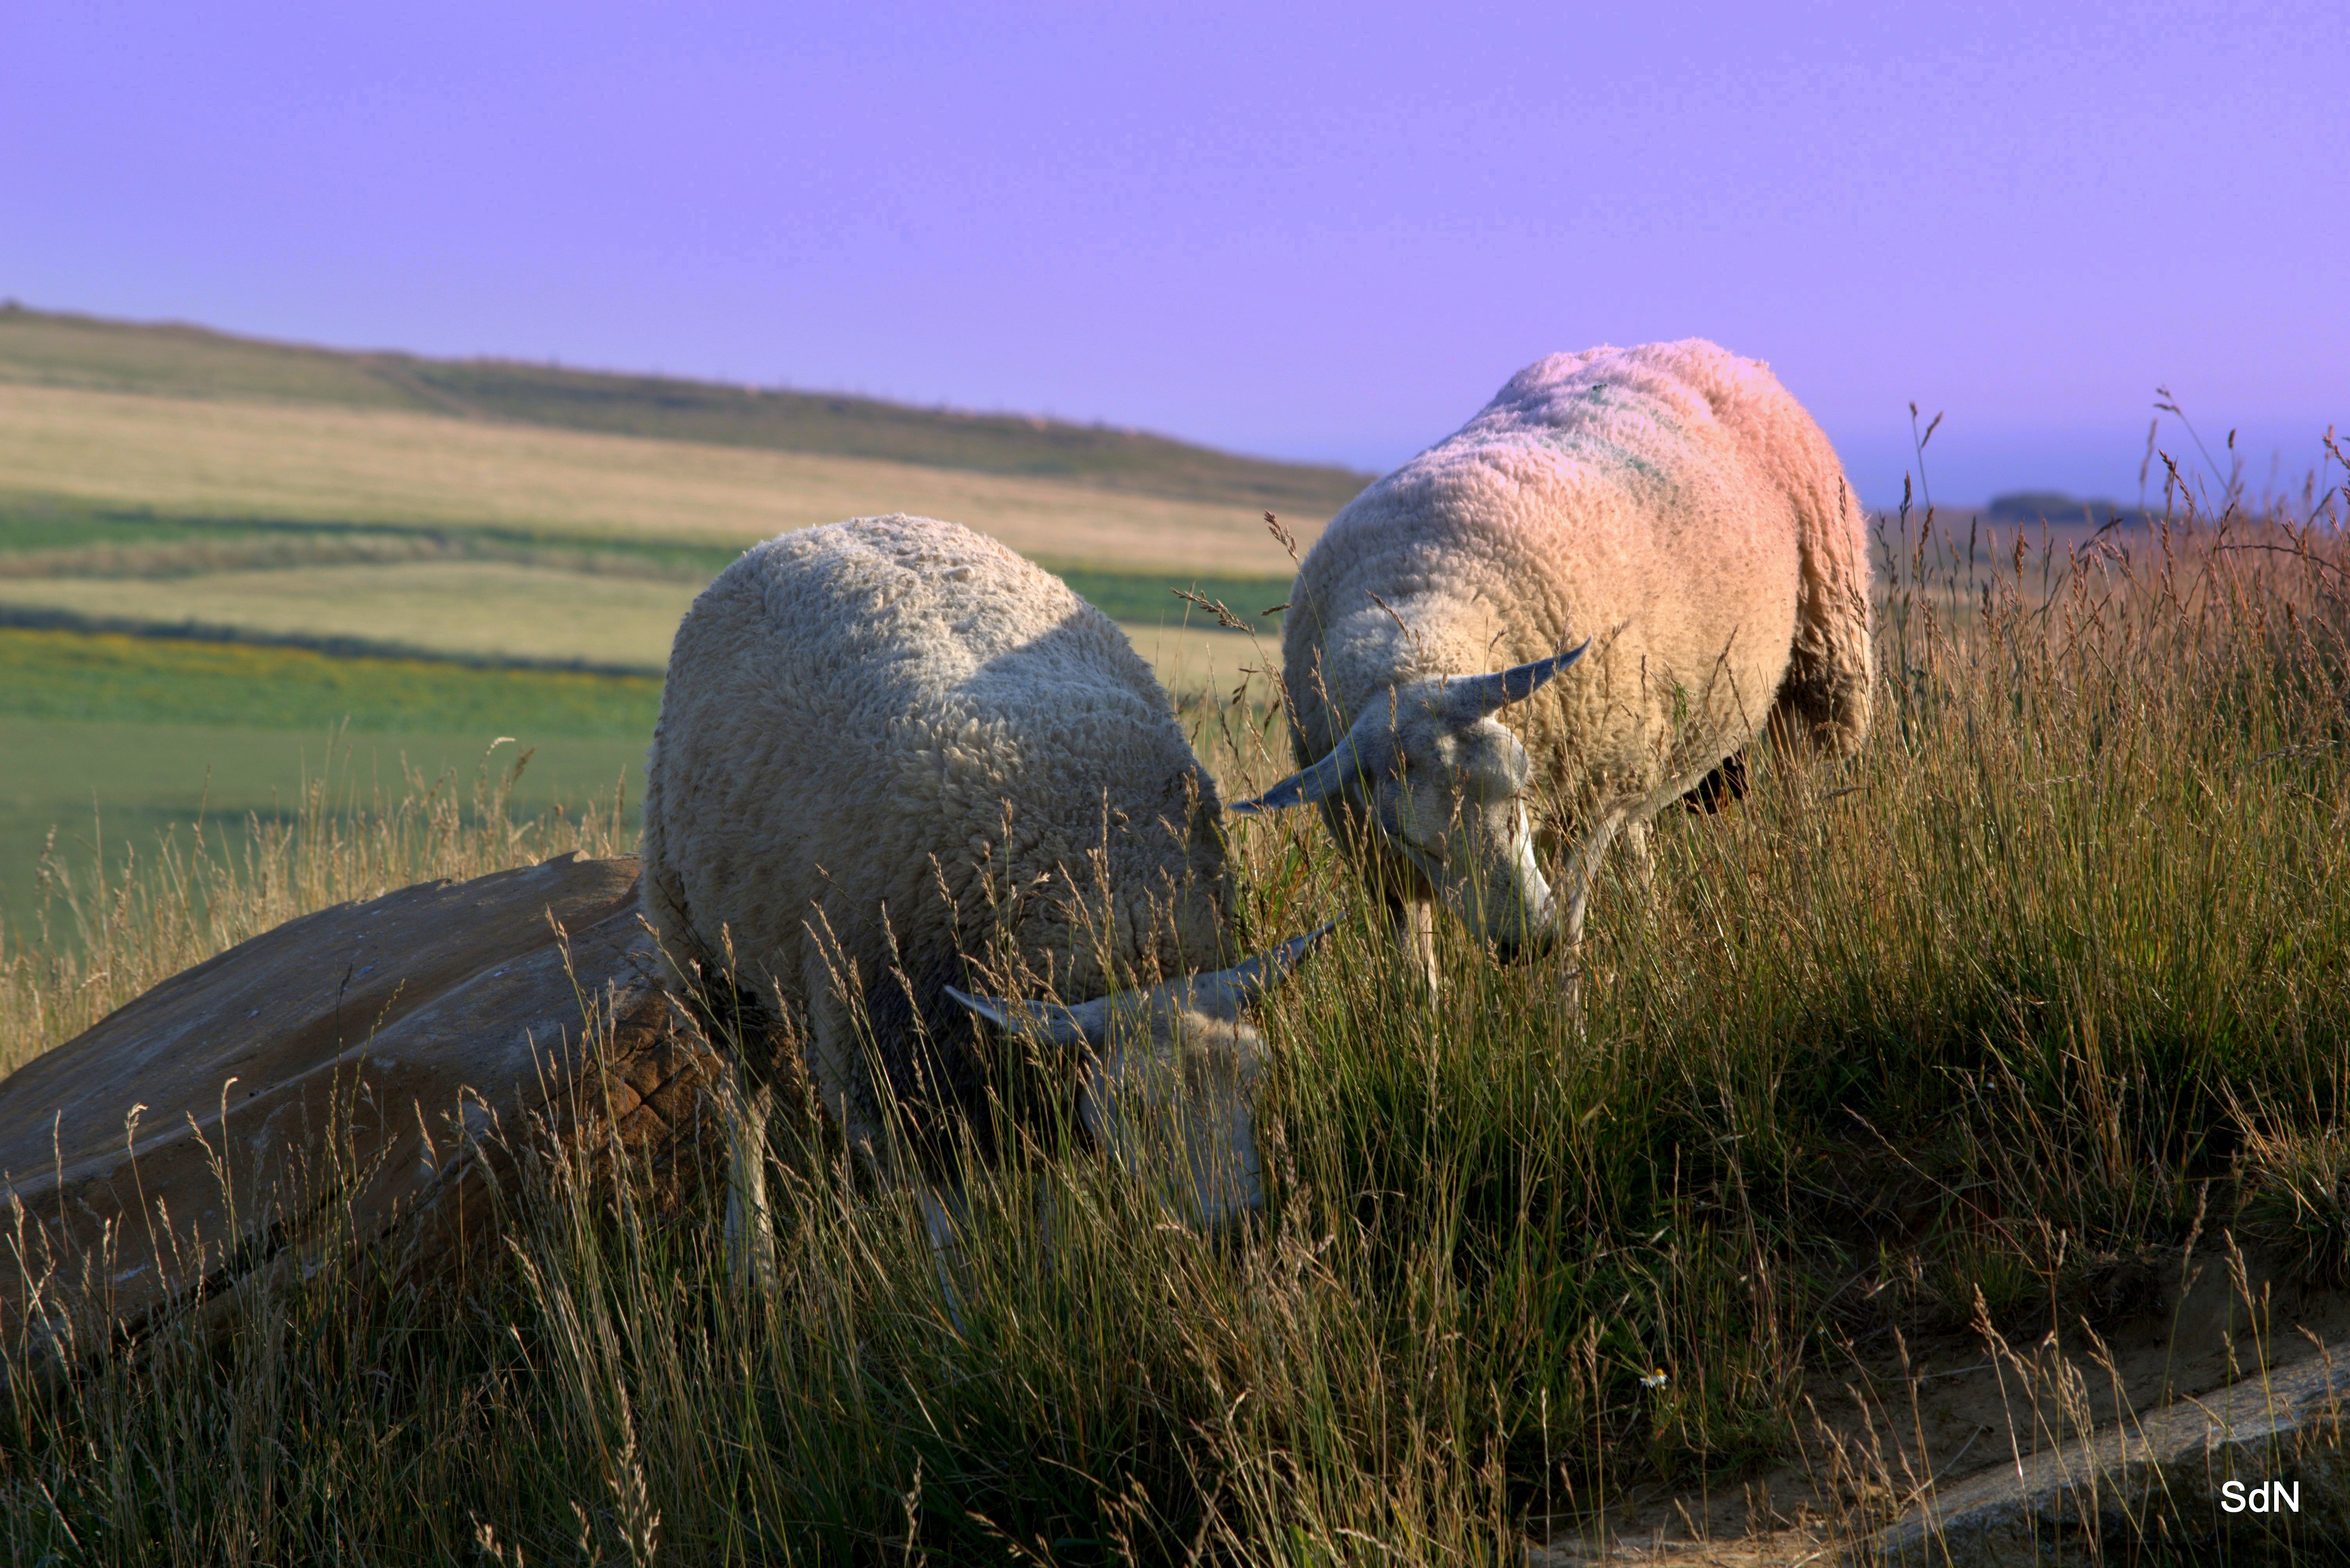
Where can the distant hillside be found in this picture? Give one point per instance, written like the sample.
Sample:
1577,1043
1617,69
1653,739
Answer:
53,348
2028,506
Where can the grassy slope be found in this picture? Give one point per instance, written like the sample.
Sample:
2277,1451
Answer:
230,462
67,350
125,785
136,733
2058,970
485,611
138,729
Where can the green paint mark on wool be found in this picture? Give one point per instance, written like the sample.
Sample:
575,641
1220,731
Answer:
1601,453
1596,452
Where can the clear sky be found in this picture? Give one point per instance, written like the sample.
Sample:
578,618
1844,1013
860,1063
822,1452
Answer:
1325,232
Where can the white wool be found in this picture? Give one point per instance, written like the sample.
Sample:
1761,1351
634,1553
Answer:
1673,503
881,740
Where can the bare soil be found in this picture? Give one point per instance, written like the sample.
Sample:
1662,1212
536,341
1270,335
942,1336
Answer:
1889,1419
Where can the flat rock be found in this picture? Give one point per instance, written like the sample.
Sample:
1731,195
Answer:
368,1073
2167,1480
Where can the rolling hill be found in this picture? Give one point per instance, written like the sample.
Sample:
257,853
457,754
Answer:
66,351
215,552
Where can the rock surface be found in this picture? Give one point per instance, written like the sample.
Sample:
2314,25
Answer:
2162,1480
366,1071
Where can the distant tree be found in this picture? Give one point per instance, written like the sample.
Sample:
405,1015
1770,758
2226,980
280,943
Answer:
2049,505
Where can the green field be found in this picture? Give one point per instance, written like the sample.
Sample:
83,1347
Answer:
135,734
443,553
124,738
49,534
79,787
71,677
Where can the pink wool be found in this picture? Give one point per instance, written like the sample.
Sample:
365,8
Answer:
1672,503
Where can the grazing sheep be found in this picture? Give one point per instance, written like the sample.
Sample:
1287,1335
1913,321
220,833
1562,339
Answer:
1669,507
890,750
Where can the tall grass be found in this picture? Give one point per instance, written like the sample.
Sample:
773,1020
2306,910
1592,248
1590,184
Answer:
112,924
2060,957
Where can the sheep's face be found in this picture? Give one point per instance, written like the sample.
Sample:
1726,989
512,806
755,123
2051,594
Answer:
1451,804
1169,1092
1169,1081
1442,780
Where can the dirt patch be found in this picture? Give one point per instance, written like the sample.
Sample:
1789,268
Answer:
1890,1421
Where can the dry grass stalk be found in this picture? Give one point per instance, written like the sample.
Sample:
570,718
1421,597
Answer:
1913,1040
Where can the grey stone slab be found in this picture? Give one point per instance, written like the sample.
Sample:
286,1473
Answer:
364,1073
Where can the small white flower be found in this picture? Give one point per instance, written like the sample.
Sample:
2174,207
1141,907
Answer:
1653,1379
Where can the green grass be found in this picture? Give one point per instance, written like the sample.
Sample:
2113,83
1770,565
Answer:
123,737
76,677
63,349
126,784
78,788
72,536
64,535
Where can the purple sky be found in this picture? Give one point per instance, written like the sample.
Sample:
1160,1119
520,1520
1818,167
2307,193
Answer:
1316,232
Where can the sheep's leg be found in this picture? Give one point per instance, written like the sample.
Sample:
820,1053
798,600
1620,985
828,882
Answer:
1640,860
837,1066
1581,872
1584,870
1413,922
750,1229
945,1211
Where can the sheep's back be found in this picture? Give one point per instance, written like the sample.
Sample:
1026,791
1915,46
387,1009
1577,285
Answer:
1653,498
886,726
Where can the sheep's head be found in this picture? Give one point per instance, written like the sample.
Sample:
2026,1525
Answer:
1172,1067
1441,781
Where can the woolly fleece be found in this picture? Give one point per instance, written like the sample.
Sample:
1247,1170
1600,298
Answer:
1673,503
895,729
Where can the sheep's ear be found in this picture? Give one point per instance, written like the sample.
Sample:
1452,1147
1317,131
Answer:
1229,989
1469,698
1049,1021
1362,754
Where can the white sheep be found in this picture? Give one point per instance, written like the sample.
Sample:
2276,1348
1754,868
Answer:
891,753
1669,507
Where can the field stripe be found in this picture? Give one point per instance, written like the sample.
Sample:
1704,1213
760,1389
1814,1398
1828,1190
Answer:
31,618
220,460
